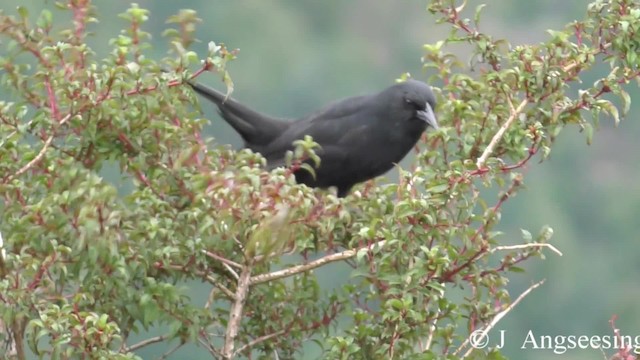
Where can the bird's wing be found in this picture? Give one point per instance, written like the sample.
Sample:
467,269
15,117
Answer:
328,137
325,130
339,109
255,129
328,125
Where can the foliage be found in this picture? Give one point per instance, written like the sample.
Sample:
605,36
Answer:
88,262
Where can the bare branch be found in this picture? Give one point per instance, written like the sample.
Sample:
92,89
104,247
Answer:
347,254
260,339
210,279
432,330
210,298
171,351
496,138
524,246
498,317
235,316
221,259
144,343
40,155
210,348
231,271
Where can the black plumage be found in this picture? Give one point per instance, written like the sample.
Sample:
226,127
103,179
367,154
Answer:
360,137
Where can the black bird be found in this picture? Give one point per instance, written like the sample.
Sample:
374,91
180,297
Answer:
360,137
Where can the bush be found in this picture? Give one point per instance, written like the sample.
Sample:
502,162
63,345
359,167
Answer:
88,261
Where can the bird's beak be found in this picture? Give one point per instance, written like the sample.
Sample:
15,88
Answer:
428,116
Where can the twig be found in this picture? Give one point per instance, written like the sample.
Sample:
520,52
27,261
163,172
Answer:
258,279
210,298
215,353
514,114
524,246
496,138
144,343
498,317
40,155
258,340
210,279
169,352
233,273
235,316
3,254
221,259
432,330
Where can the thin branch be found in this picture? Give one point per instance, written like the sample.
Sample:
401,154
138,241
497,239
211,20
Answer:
432,330
258,340
215,353
18,327
233,273
53,103
3,254
524,246
221,259
40,155
146,342
171,351
496,138
210,298
497,318
347,254
235,316
210,279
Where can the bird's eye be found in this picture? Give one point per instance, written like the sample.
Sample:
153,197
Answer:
414,104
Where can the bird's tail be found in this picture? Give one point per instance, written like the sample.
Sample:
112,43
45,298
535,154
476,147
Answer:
255,129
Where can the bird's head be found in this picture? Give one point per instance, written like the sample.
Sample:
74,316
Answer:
418,97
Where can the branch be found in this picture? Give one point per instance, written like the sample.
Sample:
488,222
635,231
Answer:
210,279
260,339
231,271
524,246
221,287
3,253
514,114
171,351
222,259
144,343
496,138
497,318
17,332
347,254
235,316
40,155
209,348
432,330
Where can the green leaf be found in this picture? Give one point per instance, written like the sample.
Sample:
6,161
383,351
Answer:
589,132
476,16
23,12
45,19
626,102
438,188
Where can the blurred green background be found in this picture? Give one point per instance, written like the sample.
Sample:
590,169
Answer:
298,55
